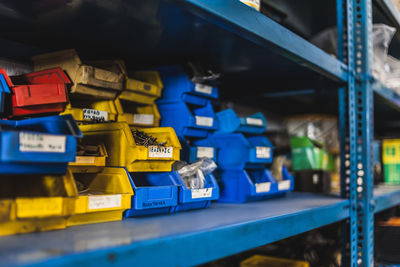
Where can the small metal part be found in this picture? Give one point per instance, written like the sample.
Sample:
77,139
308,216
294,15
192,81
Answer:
143,139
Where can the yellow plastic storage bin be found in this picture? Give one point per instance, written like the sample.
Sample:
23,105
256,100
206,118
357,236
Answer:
90,163
261,261
137,115
86,111
33,203
88,80
103,198
145,87
123,151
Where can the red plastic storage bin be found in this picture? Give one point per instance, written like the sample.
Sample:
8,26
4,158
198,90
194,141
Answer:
40,92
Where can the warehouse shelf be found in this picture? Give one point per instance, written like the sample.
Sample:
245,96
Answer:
390,11
386,110
386,196
182,239
247,47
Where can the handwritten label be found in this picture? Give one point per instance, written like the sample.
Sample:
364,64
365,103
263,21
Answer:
160,152
284,185
145,119
85,159
205,152
263,152
93,114
32,142
200,193
104,202
39,207
202,88
204,121
254,121
263,187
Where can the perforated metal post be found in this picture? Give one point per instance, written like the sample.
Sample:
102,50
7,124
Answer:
347,131
361,129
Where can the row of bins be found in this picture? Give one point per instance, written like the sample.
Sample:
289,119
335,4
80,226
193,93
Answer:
96,91
87,165
236,143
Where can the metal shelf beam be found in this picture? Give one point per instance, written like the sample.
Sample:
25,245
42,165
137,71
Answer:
184,239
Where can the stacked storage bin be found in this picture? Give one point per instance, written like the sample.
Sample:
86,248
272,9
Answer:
243,153
187,107
102,193
94,89
34,194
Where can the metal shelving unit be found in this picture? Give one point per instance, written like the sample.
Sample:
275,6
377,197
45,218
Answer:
247,49
182,239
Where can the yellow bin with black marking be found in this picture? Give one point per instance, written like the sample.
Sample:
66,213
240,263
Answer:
145,87
34,203
86,110
104,197
123,151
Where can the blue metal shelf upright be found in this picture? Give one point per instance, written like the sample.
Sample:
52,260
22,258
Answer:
248,49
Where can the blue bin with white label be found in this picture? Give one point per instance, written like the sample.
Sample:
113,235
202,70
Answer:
155,193
178,87
230,122
188,121
238,186
236,151
38,146
190,199
202,148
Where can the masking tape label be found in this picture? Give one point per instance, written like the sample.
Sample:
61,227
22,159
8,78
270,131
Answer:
32,142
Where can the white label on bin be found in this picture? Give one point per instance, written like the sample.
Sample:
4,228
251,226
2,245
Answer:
146,119
263,187
284,185
205,152
93,114
204,121
32,142
254,121
263,152
202,88
200,193
85,159
104,202
160,151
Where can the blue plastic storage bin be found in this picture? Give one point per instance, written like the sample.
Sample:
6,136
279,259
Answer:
202,148
5,94
189,121
238,186
229,122
236,151
38,146
196,198
178,87
155,193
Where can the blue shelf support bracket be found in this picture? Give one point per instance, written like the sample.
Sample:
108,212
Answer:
361,128
347,123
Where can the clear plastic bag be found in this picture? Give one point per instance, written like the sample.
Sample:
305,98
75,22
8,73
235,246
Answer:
320,128
381,35
193,175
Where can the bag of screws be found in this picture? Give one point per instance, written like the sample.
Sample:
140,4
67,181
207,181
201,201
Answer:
193,175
